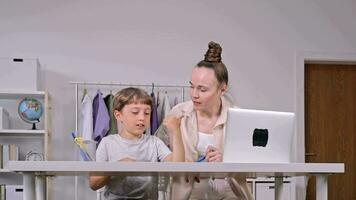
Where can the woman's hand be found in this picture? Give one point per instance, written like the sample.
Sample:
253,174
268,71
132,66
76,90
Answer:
213,154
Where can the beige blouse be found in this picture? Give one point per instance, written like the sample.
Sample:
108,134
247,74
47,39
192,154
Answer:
189,131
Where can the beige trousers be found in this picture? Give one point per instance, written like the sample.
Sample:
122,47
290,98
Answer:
226,189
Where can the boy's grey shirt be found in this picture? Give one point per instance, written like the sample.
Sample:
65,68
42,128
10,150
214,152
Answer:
148,148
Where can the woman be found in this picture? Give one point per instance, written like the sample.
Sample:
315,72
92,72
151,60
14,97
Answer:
202,126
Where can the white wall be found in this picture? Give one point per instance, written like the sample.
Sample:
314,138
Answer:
100,41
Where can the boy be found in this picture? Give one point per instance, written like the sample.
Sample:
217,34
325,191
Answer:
132,108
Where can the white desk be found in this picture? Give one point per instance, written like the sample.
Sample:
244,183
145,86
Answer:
40,169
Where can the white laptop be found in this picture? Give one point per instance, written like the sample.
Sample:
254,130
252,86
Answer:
256,136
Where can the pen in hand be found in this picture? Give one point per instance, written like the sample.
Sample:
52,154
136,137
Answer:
201,159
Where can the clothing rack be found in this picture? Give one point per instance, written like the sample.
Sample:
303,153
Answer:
81,83
126,84
153,85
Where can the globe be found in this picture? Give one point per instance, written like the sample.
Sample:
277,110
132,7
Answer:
30,111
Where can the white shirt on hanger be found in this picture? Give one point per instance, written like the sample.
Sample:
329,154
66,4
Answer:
166,106
87,116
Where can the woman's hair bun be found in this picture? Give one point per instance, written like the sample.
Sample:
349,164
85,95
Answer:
214,53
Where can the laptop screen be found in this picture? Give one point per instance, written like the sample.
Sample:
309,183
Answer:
257,136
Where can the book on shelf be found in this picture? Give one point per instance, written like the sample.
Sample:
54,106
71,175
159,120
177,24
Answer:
1,157
2,192
13,152
8,152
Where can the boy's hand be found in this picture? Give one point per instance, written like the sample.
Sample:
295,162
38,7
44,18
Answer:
213,154
172,124
127,159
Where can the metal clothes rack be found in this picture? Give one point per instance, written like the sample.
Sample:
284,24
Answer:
81,83
153,85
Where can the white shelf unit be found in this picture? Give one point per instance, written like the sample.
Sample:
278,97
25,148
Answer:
21,135
44,133
263,188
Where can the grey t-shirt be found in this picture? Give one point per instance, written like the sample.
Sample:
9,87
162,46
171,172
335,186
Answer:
148,148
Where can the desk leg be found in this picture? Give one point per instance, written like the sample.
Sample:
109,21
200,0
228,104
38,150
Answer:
321,187
278,188
41,188
29,186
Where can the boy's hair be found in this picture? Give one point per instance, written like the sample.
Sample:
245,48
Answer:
131,95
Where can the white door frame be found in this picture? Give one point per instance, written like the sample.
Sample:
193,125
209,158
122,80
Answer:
302,58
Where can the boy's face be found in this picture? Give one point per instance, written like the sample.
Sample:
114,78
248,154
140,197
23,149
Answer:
135,118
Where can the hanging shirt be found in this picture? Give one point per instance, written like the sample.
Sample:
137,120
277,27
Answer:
166,107
175,102
154,117
163,108
101,117
109,100
87,118
159,107
159,99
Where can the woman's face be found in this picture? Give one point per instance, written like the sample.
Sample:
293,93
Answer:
205,90
135,118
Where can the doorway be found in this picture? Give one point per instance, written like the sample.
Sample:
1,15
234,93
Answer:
330,124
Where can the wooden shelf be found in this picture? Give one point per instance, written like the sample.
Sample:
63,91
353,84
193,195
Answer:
21,132
14,94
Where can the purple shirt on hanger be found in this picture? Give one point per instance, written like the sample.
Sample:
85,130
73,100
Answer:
101,117
154,116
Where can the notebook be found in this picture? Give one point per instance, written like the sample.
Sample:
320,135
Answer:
258,136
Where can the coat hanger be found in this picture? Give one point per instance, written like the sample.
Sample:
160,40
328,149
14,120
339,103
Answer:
85,91
153,87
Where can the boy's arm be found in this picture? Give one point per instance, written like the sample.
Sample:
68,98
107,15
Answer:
97,182
173,127
178,148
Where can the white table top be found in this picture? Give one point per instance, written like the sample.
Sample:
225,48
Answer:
79,168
